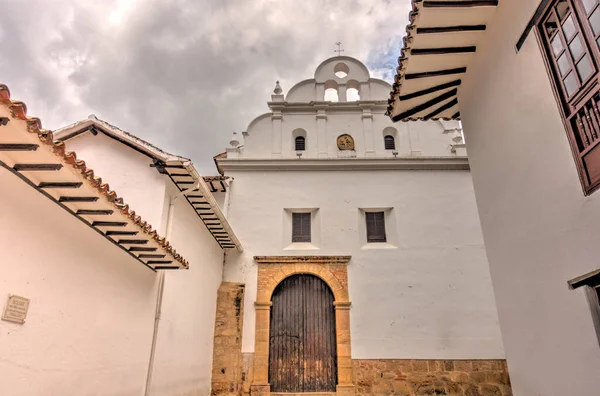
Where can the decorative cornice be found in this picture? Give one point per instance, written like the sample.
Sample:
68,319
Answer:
345,164
287,107
302,259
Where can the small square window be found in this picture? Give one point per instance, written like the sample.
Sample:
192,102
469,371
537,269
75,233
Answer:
301,227
375,227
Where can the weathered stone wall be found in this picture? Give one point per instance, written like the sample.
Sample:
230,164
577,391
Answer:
227,372
431,377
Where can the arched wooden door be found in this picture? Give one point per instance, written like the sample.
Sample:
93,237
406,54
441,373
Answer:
302,347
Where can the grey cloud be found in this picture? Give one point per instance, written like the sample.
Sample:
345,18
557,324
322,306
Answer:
182,74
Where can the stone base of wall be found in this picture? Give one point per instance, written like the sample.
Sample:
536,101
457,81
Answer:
227,373
431,377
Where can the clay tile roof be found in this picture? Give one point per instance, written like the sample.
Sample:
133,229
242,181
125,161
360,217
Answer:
26,148
441,39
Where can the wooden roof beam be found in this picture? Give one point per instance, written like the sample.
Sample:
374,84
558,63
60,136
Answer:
426,105
443,50
440,109
430,90
435,73
450,29
18,147
37,167
458,3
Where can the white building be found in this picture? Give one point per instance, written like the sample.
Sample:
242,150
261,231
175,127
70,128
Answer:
110,307
384,214
526,75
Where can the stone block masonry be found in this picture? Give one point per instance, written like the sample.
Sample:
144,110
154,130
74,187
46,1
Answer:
431,377
227,369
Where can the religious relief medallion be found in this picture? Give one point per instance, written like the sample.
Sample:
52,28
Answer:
345,142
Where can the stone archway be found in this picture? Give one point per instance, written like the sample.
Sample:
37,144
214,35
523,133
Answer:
274,269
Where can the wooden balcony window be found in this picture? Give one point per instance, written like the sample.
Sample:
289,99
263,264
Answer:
570,33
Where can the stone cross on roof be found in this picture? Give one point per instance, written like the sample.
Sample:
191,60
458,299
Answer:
339,50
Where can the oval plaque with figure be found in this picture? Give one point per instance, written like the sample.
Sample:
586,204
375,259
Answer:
345,142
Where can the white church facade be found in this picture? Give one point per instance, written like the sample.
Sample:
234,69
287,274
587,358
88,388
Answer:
336,253
325,186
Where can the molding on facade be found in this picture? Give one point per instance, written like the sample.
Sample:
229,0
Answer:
379,106
293,164
302,259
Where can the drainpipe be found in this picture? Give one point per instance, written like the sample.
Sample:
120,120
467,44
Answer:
161,286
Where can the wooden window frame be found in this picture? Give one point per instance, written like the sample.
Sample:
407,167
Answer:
373,234
303,234
580,111
387,138
297,141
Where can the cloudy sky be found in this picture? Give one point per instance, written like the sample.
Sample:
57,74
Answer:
183,74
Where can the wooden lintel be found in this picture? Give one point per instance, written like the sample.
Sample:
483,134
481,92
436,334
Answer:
435,73
443,50
78,199
37,167
60,184
450,29
18,147
423,106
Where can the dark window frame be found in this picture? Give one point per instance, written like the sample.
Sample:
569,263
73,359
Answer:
301,227
375,226
580,110
300,143
389,142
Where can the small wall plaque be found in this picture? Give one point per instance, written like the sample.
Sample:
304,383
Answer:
345,142
16,309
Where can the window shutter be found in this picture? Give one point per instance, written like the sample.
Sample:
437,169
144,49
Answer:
300,143
375,227
300,227
389,142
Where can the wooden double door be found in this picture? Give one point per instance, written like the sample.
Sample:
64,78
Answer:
302,343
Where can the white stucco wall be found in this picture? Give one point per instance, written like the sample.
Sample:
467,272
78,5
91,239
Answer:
540,230
89,326
183,359
414,138
428,297
127,171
